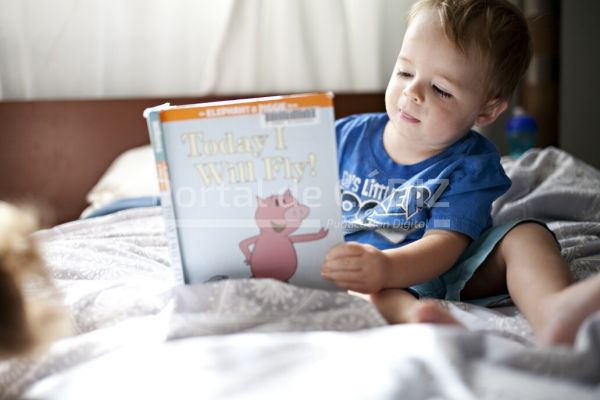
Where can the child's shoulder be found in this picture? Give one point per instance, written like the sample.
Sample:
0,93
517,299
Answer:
367,120
359,130
476,158
359,127
474,143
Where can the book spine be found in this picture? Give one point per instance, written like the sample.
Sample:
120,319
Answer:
152,116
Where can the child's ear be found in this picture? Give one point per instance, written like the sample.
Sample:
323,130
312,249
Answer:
491,111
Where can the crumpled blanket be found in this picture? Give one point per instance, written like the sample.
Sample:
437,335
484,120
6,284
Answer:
554,186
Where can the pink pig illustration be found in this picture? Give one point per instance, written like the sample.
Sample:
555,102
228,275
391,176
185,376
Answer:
273,254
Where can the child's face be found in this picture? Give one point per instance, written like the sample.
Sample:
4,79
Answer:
435,94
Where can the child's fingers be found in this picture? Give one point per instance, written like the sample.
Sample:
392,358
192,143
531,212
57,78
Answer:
345,284
352,286
340,264
342,276
350,249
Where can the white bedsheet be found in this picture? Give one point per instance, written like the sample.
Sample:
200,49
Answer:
260,338
408,362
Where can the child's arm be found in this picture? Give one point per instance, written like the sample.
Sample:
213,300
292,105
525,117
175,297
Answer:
363,268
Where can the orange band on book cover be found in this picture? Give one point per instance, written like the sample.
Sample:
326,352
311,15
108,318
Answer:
163,175
245,107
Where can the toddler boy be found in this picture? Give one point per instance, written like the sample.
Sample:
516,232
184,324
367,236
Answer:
418,183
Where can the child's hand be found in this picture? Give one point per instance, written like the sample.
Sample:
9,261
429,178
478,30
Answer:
357,267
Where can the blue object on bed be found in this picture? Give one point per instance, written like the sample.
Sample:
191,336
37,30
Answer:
124,204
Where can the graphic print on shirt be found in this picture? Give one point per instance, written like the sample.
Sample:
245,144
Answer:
393,209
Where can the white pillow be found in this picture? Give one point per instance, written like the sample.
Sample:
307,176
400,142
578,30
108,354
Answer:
131,174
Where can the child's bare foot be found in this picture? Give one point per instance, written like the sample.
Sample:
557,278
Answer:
565,311
399,307
429,311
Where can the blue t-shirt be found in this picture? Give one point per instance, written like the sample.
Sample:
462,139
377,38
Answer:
387,204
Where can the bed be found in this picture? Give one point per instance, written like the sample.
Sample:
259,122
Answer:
135,335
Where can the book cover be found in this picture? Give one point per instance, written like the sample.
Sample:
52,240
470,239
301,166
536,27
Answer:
249,188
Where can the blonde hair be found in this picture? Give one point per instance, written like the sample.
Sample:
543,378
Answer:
496,29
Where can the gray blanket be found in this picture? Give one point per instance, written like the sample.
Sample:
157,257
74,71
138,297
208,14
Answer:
556,187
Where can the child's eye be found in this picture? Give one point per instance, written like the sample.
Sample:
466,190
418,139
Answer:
441,93
403,74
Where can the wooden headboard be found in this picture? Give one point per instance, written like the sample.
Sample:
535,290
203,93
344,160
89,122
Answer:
53,152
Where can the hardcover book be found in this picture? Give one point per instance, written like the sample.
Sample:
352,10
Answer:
249,188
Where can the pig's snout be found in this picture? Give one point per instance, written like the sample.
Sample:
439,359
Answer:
297,212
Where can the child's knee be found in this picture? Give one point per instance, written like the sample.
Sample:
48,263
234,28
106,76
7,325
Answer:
528,233
527,238
381,296
392,296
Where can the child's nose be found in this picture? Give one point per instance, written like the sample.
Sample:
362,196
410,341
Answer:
414,91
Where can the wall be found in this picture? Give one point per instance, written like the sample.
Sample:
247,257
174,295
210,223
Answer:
580,80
